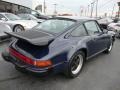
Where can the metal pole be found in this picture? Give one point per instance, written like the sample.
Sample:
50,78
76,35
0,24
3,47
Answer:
85,12
113,10
119,12
81,11
88,10
44,3
92,6
55,11
96,8
119,9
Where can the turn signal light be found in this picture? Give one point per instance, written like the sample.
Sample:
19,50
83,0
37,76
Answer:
45,63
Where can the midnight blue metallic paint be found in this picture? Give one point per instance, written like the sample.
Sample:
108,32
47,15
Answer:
63,47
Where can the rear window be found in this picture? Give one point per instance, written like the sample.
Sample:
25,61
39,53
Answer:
55,25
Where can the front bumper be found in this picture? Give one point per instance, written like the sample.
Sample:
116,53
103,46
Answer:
117,31
28,68
117,34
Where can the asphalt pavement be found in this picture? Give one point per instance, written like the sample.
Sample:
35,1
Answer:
99,73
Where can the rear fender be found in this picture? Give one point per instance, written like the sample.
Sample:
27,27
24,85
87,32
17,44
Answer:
75,49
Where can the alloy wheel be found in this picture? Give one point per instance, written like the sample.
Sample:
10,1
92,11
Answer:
77,64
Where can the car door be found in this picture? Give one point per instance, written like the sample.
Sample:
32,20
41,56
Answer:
98,41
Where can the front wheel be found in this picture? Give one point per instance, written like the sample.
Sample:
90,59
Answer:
109,49
75,65
18,28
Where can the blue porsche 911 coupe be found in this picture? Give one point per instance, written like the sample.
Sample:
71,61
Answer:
59,44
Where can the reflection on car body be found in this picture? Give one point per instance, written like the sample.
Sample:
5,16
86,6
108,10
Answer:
30,17
16,23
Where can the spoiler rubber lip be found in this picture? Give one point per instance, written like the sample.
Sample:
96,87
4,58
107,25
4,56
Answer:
37,41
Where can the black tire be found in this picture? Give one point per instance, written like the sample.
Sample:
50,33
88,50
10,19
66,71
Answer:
69,72
113,39
109,49
20,70
18,28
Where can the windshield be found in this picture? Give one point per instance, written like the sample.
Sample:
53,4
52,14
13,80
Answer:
54,25
12,17
105,20
27,17
32,17
35,13
118,21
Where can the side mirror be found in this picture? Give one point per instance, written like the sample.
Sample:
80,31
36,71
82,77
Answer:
115,21
3,19
104,30
103,26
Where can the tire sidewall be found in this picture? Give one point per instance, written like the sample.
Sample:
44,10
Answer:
69,72
22,29
107,51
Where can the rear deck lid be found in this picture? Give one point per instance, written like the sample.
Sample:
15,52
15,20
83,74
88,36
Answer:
34,37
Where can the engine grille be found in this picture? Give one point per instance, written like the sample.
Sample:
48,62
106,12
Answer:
31,34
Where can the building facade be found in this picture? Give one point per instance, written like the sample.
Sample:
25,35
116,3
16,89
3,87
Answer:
17,6
14,6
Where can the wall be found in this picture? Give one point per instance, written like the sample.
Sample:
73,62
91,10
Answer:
36,3
26,3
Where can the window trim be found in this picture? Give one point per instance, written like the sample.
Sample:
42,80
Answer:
76,28
4,17
95,24
98,26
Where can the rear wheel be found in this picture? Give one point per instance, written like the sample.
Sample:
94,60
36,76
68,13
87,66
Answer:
20,69
18,28
75,65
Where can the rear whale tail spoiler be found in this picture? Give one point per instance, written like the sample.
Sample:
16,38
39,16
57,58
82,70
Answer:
38,38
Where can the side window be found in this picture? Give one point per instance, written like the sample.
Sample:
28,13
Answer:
99,29
79,31
1,16
91,27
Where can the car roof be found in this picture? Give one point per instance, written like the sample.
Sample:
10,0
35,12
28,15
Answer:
5,13
76,18
24,14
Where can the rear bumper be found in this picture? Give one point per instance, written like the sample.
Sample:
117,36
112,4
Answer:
20,64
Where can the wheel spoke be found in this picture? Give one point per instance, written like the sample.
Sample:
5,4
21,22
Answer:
76,64
73,67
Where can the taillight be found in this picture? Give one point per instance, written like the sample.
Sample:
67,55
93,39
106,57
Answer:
21,57
44,63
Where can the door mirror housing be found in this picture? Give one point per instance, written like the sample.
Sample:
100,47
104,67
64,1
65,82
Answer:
104,30
3,19
115,20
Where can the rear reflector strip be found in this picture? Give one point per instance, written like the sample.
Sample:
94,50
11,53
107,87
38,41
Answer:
21,57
